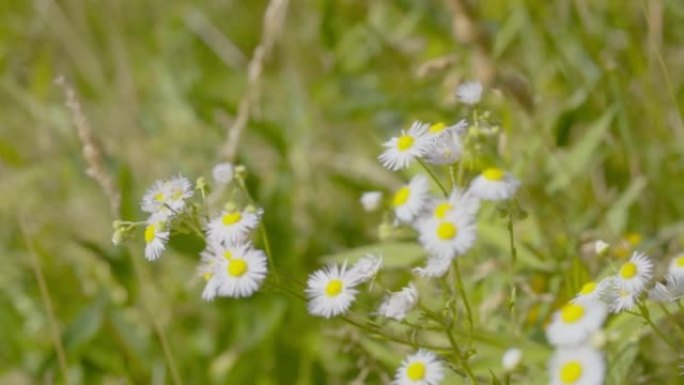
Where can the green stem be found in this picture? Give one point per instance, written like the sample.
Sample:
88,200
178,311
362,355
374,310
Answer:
514,258
434,177
647,318
672,317
461,290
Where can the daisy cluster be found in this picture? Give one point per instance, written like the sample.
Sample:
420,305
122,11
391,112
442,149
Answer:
230,264
444,224
575,330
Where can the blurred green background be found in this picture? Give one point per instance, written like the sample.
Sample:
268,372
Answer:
589,93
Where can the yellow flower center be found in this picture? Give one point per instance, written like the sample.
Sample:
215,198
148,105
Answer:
177,194
680,261
571,372
160,197
207,276
633,238
437,127
628,270
446,230
227,255
401,196
150,233
231,218
442,209
572,313
237,267
405,142
333,288
494,174
416,371
588,288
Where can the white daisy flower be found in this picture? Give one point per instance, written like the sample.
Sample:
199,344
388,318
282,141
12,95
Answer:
592,291
601,247
677,265
618,298
581,366
371,200
402,150
459,202
494,184
396,305
511,359
365,268
574,323
469,93
167,197
421,368
671,290
330,291
434,268
411,199
233,226
635,274
448,237
445,145
156,236
232,271
223,173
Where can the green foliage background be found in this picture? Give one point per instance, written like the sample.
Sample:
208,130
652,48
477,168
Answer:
595,133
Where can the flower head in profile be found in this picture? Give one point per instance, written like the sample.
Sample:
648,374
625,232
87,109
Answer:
167,197
618,298
672,289
459,202
330,291
365,268
469,93
371,200
444,146
232,271
156,237
410,200
574,323
635,274
677,265
580,366
434,267
511,359
494,184
400,151
592,291
223,173
233,226
396,305
420,368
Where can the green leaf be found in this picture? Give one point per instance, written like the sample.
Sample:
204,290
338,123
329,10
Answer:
618,213
395,254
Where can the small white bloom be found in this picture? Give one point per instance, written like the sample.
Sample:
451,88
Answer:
434,268
396,305
167,197
365,268
592,291
402,150
671,290
421,368
469,93
511,359
598,339
448,237
635,274
618,298
677,265
232,271
581,366
330,291
574,323
494,184
445,145
371,200
459,203
601,247
156,236
223,173
233,226
410,200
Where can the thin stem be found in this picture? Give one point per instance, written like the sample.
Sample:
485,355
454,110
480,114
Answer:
514,258
461,290
647,317
672,317
47,303
262,228
434,177
452,176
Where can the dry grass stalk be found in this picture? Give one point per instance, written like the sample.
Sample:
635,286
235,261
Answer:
92,153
